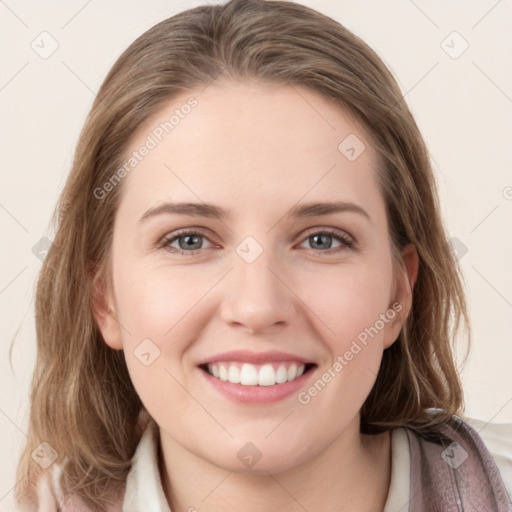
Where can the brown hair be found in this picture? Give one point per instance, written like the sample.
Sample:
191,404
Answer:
82,400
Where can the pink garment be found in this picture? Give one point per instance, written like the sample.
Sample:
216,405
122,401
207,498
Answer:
452,471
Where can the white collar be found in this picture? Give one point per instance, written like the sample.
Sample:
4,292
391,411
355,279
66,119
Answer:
144,489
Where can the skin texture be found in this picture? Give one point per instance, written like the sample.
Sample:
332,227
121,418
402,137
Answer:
257,150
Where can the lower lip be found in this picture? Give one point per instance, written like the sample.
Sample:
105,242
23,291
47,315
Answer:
257,394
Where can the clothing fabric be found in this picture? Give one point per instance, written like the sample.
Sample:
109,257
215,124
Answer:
144,490
451,469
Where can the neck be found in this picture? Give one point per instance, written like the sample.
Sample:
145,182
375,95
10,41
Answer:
351,474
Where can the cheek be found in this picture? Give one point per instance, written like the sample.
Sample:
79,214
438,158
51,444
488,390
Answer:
155,302
159,312
352,307
347,300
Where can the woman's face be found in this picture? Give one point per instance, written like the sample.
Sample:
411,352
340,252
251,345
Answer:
249,276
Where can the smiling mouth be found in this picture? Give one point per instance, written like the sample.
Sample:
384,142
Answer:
247,374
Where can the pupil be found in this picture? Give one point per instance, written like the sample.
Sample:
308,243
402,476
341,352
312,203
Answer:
188,244
323,240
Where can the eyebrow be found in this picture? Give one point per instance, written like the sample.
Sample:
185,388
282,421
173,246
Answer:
211,211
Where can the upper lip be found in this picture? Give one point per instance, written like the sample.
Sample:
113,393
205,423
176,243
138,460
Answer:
247,356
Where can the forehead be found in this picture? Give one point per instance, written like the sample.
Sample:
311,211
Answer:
258,142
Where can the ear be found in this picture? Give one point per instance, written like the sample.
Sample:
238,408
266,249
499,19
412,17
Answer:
103,309
406,277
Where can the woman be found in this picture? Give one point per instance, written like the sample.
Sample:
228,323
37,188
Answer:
250,298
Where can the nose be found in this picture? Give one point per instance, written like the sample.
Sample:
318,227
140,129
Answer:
257,296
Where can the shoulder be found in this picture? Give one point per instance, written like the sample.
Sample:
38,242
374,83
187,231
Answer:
497,438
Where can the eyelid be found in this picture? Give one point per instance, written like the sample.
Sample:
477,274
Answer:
347,237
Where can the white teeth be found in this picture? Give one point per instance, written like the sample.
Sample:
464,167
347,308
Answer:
292,371
281,374
252,375
248,375
267,375
234,374
223,373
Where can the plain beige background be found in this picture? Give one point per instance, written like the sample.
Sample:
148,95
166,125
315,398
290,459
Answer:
452,61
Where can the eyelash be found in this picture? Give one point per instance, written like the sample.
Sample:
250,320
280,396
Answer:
347,242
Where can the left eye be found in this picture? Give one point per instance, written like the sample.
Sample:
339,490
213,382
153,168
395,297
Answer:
326,237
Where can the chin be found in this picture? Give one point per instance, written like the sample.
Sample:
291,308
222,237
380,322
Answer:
259,458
